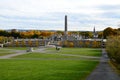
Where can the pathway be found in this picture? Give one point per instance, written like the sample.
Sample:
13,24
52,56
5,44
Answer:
19,52
103,71
42,50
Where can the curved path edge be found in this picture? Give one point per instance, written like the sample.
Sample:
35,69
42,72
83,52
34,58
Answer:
103,71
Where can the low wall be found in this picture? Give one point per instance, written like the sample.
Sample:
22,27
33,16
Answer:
82,43
66,43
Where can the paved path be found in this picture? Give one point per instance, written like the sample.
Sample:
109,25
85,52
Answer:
42,50
17,52
81,56
103,71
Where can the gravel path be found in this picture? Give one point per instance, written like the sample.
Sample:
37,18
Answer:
103,71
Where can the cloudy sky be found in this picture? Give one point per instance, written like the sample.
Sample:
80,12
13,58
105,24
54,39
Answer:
49,14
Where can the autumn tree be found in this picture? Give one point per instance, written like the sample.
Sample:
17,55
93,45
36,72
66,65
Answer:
2,39
46,34
108,32
37,34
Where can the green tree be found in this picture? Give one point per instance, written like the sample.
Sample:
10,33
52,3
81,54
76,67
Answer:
100,34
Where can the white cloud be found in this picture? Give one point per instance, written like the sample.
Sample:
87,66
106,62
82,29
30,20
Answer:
49,13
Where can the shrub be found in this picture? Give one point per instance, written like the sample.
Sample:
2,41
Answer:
65,43
94,44
71,44
81,43
17,43
87,44
113,48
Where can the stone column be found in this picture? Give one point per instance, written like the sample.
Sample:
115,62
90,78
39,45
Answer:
65,25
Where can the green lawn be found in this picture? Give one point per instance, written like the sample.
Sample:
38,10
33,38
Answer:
51,65
51,53
19,48
45,69
44,56
5,52
78,51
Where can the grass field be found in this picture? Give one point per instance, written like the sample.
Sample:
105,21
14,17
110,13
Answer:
52,53
45,69
19,48
5,52
44,56
50,65
78,51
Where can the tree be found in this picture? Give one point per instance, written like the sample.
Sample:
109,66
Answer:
81,43
94,44
87,43
17,43
113,48
47,34
14,33
30,43
100,34
37,43
108,32
86,34
2,39
60,32
23,42
4,33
